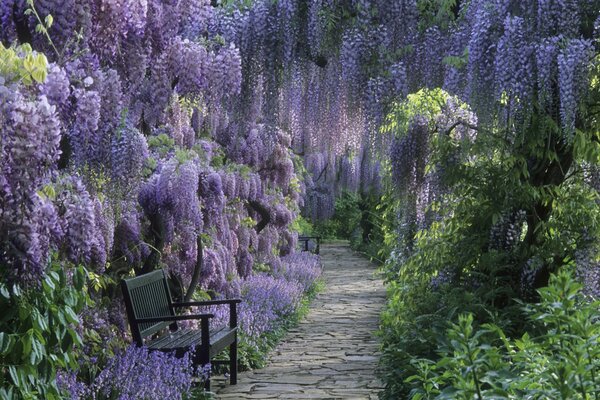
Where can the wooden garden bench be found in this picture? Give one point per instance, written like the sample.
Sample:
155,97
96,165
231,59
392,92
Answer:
303,240
150,311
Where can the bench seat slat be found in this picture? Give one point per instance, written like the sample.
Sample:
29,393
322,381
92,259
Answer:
221,340
185,338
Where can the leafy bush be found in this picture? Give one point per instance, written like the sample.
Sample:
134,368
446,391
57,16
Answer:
559,358
345,219
38,333
302,226
357,218
479,241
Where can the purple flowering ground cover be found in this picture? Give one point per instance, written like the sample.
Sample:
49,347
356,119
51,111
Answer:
272,302
135,373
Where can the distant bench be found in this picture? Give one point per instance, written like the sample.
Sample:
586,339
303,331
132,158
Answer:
303,241
150,311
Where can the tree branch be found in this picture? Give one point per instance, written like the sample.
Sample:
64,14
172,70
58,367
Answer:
197,270
265,216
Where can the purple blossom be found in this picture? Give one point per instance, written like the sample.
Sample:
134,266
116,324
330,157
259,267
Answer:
301,267
29,150
56,87
128,240
139,373
265,300
547,68
83,137
573,64
514,62
408,154
129,151
84,239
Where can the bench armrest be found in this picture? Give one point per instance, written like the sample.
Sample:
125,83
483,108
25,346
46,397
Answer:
207,303
174,318
232,307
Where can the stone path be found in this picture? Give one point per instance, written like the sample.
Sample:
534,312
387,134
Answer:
332,354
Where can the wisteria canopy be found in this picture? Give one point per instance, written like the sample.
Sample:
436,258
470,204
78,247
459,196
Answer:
192,135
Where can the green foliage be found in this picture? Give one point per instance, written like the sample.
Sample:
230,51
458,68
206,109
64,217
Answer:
413,321
347,214
39,333
427,103
261,268
302,226
485,180
345,220
559,359
439,13
355,218
43,24
327,229
22,64
162,144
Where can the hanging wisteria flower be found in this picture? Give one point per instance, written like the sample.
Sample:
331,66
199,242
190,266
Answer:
573,64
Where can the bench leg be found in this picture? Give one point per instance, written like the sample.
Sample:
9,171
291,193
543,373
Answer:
233,365
203,361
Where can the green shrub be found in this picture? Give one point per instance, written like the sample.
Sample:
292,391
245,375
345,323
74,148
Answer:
559,358
39,333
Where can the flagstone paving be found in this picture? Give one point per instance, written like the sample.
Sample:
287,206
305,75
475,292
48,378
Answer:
333,353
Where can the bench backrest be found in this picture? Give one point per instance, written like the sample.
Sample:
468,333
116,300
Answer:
305,239
147,296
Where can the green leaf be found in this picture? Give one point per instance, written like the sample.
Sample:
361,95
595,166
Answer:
4,291
49,20
49,287
79,278
37,352
6,343
15,375
39,75
70,315
26,345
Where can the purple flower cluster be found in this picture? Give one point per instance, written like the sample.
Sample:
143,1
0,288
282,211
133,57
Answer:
136,374
351,54
266,300
513,62
83,136
408,154
85,242
301,267
573,64
29,150
546,55
588,271
140,374
67,381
